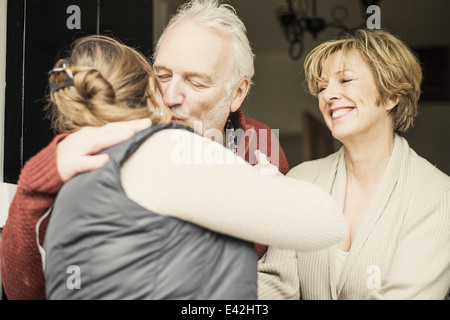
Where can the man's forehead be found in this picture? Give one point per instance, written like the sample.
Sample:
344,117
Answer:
190,40
201,57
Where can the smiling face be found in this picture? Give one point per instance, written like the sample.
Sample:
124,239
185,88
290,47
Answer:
349,99
192,65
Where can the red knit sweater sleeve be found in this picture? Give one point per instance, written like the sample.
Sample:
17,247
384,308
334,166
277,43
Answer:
267,142
21,265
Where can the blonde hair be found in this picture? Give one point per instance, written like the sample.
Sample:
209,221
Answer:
221,17
110,82
396,69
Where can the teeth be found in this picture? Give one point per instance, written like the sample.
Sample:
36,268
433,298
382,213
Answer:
340,112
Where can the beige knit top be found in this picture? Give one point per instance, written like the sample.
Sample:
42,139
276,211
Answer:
197,180
401,251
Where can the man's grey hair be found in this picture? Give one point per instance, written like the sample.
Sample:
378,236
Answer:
220,16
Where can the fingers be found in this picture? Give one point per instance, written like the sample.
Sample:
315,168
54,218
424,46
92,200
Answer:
75,154
261,157
96,139
264,165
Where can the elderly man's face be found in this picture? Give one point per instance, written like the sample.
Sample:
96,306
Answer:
192,64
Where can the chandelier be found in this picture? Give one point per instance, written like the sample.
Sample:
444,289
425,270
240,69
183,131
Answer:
305,19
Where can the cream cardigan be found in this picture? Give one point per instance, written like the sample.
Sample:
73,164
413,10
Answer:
401,251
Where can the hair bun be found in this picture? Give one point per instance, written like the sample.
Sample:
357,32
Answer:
93,87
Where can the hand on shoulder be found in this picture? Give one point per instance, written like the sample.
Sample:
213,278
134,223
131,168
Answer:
77,152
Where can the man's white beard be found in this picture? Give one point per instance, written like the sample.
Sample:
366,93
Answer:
211,119
216,117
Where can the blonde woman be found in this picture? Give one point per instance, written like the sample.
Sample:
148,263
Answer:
153,222
396,204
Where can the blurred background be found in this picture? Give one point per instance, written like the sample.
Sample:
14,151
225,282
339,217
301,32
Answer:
279,97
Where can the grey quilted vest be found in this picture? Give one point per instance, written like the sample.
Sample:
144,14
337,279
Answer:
101,245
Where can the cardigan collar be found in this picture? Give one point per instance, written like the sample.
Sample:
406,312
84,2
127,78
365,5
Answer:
335,184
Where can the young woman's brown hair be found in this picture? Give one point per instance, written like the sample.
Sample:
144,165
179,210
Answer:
103,81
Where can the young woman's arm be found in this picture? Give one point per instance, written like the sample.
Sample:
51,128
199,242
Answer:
183,175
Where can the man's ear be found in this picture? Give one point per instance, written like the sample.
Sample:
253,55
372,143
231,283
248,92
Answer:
239,94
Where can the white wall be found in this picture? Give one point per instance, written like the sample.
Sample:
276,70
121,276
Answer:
2,79
5,189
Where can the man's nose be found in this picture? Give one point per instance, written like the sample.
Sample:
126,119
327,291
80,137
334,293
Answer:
173,92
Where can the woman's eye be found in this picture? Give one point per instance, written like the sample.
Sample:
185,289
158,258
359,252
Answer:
346,80
321,89
163,77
